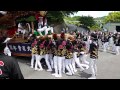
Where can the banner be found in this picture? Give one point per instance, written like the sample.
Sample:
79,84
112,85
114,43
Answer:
24,48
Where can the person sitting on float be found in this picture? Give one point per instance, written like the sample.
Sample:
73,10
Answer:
42,31
45,30
49,30
20,29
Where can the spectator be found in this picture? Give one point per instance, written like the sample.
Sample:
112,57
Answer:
9,68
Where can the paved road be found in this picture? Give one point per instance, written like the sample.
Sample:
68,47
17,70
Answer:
108,68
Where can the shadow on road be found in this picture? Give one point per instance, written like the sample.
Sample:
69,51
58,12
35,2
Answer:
84,75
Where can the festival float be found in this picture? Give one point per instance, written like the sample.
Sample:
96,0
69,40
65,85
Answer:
20,44
27,24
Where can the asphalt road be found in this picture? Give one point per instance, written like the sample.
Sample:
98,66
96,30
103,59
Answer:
108,66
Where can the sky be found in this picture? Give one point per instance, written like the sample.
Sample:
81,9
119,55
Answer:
92,13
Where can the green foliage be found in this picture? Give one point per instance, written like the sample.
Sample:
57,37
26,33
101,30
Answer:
30,19
67,13
95,27
58,16
54,17
80,20
75,18
113,17
100,20
68,18
87,21
72,20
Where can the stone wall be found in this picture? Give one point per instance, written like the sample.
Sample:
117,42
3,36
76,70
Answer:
59,27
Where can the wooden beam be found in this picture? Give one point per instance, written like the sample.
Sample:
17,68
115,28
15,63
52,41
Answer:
32,24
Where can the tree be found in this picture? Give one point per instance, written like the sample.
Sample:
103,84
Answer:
113,17
76,18
72,20
57,16
87,21
95,27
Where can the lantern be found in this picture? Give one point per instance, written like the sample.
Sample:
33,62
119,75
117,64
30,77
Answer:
43,13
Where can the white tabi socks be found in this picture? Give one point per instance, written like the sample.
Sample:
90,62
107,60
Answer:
32,60
47,62
38,58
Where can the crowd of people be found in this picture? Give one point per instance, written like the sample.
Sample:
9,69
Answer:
110,41
66,52
63,54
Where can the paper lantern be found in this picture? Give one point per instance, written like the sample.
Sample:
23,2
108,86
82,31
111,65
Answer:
43,13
